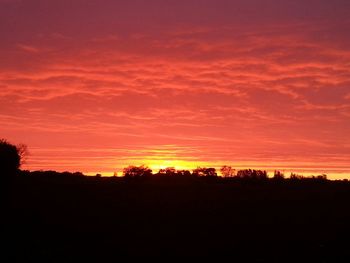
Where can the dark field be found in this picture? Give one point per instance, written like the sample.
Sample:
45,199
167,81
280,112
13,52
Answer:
80,219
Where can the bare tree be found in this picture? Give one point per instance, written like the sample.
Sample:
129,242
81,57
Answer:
23,152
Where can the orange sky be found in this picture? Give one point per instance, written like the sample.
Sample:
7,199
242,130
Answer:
95,86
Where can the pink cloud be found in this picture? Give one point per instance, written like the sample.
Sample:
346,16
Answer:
28,48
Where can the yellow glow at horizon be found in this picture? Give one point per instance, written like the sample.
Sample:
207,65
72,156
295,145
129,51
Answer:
159,161
177,164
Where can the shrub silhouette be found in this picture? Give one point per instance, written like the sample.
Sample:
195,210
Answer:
11,157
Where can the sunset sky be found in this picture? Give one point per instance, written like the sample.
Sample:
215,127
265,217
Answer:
96,85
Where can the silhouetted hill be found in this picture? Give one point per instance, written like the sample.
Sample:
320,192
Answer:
53,217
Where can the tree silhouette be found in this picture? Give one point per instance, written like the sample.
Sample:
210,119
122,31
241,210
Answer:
252,174
11,157
294,176
203,171
137,171
321,177
278,175
169,171
183,173
227,171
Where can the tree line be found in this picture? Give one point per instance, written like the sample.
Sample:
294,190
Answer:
225,171
12,156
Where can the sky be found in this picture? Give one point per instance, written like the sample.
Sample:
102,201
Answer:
95,86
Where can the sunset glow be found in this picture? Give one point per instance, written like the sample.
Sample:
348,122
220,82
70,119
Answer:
95,86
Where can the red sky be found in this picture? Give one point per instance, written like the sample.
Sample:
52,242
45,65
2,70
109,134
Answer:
94,86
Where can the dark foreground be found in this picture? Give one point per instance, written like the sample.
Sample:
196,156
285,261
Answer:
106,220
